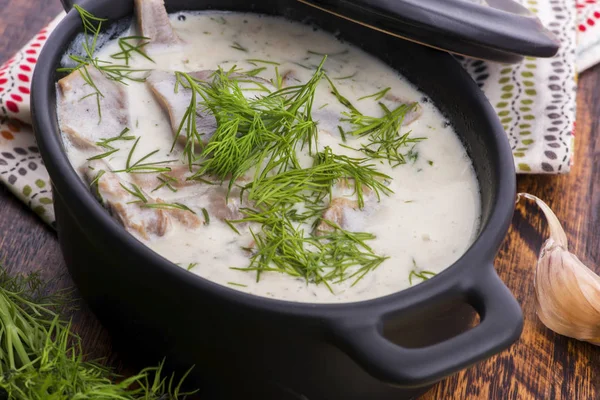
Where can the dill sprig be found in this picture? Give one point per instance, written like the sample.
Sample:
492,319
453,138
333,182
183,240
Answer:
416,272
92,26
106,144
166,181
41,357
283,246
255,61
239,47
293,185
128,49
343,101
250,131
376,96
141,167
385,140
169,206
136,192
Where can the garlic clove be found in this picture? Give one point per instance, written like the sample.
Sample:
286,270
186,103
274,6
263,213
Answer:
556,230
567,292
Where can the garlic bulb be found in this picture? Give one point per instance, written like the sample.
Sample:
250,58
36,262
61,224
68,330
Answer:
567,292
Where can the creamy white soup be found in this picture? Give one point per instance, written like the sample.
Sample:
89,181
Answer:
267,156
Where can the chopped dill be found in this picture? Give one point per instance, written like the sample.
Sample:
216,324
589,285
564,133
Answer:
282,246
377,96
103,155
262,134
308,67
278,79
128,49
250,131
92,26
236,284
342,133
139,166
346,77
255,71
169,206
430,162
258,61
190,266
206,216
105,143
343,101
97,177
418,273
329,54
136,192
385,140
166,181
239,47
412,155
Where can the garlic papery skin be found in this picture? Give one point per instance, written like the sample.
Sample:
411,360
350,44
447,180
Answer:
567,292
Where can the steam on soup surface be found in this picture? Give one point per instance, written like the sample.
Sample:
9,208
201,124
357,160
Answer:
267,156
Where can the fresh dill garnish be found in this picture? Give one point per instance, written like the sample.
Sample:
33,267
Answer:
377,96
94,183
206,216
344,101
191,265
105,143
419,273
278,79
127,49
430,162
385,140
412,155
92,26
250,131
103,155
256,61
328,168
328,54
236,284
264,133
308,67
239,47
169,206
232,226
283,246
136,192
342,133
139,166
255,71
166,181
346,77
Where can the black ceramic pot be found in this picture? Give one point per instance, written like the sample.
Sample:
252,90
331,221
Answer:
388,348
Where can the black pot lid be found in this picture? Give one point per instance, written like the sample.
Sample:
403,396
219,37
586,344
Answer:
497,30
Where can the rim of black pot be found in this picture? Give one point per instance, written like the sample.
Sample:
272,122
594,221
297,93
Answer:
83,205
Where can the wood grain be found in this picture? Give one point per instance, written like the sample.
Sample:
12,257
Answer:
542,365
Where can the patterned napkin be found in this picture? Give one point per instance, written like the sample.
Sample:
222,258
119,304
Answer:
535,101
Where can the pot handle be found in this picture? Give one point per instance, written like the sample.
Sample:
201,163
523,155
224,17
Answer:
501,323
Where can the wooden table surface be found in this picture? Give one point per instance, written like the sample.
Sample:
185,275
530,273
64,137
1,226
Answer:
541,365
